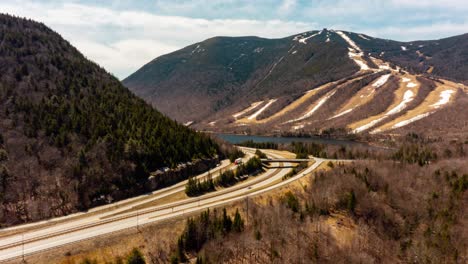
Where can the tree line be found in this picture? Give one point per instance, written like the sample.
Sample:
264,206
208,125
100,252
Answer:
197,187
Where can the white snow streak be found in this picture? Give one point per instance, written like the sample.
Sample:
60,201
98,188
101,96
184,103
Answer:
261,109
406,79
407,97
347,39
381,81
411,85
342,113
294,52
298,127
188,123
403,48
368,125
360,63
193,51
411,120
444,98
363,37
304,40
316,107
272,68
248,109
258,50
354,52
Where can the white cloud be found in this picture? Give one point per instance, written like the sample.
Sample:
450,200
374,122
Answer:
442,29
122,41
287,7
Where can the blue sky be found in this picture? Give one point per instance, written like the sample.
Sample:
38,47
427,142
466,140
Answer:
122,35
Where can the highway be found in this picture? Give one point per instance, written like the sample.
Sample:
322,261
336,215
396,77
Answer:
33,238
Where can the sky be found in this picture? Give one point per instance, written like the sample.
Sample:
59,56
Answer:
123,35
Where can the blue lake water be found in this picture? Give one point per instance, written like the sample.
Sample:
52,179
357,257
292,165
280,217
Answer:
235,139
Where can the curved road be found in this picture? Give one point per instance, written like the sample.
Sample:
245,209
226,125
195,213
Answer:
43,236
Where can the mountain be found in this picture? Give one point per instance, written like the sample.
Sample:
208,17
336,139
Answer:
71,135
324,81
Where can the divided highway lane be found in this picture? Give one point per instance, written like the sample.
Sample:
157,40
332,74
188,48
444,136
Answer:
76,230
97,213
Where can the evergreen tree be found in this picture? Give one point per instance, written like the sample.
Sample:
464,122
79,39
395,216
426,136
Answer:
135,257
238,224
227,222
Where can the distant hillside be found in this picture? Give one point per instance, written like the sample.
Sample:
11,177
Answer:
324,82
71,136
204,78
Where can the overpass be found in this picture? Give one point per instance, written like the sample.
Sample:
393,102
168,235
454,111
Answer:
285,160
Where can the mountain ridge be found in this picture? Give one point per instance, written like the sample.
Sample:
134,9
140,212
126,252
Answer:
201,87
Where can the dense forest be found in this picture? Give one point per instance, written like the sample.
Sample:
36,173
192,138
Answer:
72,136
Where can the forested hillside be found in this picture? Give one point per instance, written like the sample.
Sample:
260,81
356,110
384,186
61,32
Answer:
71,135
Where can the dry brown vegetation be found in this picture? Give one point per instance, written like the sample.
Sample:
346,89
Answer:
401,213
405,205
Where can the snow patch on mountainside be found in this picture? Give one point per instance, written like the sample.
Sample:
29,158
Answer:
403,48
409,121
381,81
261,109
248,109
341,114
363,37
444,98
348,40
258,50
355,53
360,63
315,108
368,125
272,68
411,85
304,40
407,97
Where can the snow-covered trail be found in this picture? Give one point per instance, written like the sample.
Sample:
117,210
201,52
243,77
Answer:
296,103
355,53
362,97
404,95
437,99
248,109
254,115
304,40
315,107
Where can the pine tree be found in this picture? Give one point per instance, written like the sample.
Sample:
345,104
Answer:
238,224
227,222
351,204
